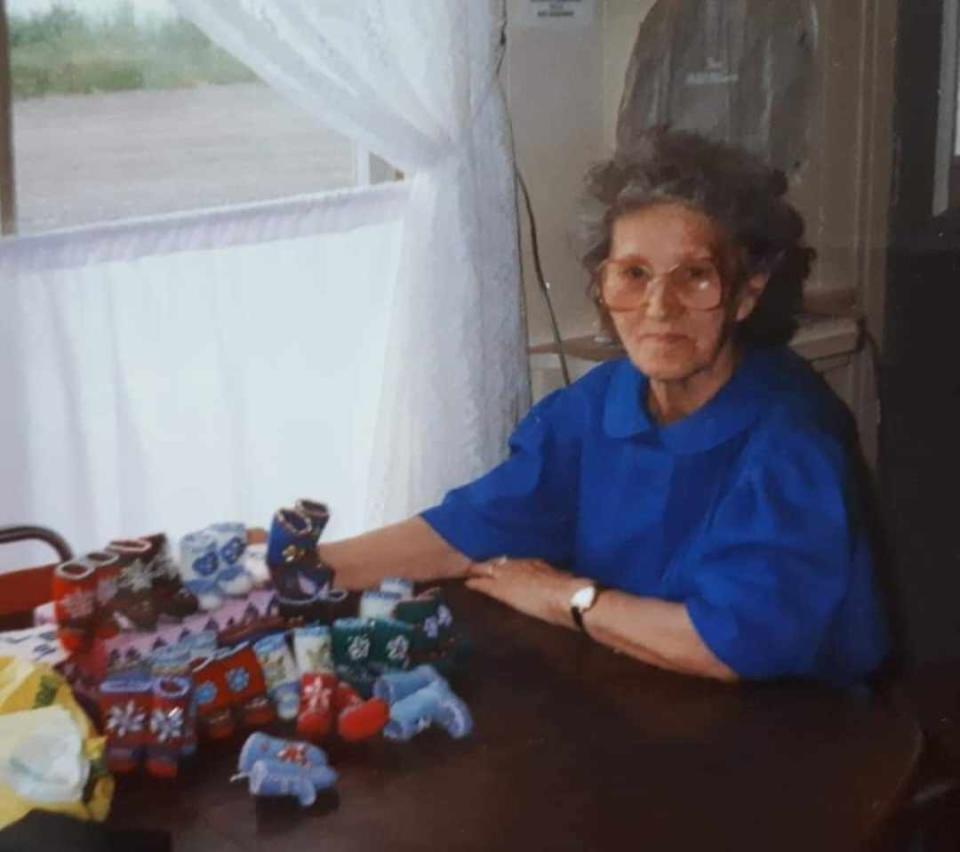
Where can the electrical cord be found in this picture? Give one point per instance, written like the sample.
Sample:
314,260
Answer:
534,239
542,281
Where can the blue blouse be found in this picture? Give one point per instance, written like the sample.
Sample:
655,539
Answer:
746,511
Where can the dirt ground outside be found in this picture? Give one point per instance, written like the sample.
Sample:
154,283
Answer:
81,159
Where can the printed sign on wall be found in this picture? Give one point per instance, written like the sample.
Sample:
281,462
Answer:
562,13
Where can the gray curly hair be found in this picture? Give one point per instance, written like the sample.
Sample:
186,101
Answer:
732,187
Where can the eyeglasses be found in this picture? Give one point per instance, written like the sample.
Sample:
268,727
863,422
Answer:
626,283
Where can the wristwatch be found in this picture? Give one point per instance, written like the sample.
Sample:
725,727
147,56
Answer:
582,601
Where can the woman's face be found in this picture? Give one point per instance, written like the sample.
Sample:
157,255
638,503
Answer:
666,340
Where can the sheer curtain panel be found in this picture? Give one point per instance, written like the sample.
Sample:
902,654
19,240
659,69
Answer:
167,373
415,81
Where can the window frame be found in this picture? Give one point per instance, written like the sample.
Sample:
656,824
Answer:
8,187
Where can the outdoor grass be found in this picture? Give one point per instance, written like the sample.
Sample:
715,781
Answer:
63,52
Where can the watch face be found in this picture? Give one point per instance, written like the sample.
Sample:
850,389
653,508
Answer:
583,598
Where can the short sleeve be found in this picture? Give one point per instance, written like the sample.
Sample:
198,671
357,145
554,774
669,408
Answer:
525,507
783,564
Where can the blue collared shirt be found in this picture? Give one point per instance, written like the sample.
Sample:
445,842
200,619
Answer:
746,511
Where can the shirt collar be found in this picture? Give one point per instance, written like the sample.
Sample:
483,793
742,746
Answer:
732,409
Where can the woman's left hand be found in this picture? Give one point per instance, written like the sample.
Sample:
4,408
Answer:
528,585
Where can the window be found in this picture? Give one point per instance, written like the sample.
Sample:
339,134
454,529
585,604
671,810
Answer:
122,110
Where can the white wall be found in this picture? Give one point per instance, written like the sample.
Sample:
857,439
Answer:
563,89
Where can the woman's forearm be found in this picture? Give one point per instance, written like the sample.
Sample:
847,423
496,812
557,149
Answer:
654,631
409,549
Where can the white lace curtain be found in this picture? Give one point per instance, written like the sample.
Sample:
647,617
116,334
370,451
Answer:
365,347
415,81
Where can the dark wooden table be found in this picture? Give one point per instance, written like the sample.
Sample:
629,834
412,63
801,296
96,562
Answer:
575,748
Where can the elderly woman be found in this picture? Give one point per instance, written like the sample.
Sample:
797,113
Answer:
692,504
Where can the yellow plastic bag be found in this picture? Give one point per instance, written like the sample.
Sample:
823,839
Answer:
26,691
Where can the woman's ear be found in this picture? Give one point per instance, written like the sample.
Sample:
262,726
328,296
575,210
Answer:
750,293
